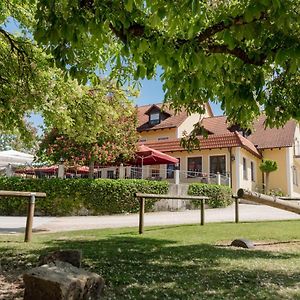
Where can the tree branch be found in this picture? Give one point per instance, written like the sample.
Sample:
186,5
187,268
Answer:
13,43
221,26
239,53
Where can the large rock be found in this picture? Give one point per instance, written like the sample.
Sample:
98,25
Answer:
243,243
62,281
71,256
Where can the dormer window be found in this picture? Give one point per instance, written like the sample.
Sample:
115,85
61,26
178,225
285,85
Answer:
154,118
156,115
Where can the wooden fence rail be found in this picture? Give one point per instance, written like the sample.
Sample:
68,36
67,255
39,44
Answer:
141,197
30,208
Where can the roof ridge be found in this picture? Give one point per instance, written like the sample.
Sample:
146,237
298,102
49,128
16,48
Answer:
242,140
150,104
214,117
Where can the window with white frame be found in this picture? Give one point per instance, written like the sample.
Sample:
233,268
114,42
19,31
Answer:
136,172
217,164
155,171
245,175
194,167
154,118
295,176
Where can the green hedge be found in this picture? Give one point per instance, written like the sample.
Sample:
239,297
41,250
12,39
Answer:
79,196
220,195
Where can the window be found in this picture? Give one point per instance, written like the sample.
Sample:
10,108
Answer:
162,138
252,171
170,171
295,176
245,169
110,174
217,164
297,148
155,171
171,168
154,118
142,140
194,167
136,172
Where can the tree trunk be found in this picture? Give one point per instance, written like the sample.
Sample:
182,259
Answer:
267,183
91,169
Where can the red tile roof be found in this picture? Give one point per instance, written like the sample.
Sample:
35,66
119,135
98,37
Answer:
261,137
266,138
216,125
231,139
173,121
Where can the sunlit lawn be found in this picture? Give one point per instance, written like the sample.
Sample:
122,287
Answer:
178,262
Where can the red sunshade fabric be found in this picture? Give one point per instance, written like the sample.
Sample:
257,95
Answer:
78,170
51,169
149,156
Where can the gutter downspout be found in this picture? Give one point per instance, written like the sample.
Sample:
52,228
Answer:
230,165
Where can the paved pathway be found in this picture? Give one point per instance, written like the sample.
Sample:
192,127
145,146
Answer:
53,224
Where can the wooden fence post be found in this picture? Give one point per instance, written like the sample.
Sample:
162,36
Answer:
29,221
202,212
236,209
142,212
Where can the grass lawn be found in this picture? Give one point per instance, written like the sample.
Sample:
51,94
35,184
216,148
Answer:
175,262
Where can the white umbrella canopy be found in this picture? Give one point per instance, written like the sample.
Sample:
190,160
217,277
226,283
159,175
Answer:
14,157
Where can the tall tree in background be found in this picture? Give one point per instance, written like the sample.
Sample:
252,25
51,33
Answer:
116,143
244,54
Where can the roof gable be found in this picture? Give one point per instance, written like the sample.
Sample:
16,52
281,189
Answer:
170,119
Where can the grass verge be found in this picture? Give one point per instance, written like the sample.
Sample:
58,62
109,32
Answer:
175,262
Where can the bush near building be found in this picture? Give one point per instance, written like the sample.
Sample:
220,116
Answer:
219,195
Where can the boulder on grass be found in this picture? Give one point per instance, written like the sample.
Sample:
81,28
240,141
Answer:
62,281
70,256
242,243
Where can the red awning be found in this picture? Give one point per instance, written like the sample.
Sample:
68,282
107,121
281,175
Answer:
149,156
78,170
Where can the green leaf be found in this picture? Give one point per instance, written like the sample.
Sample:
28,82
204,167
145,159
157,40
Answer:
128,5
228,39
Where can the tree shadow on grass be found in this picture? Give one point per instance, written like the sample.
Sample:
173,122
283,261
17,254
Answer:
137,268
144,268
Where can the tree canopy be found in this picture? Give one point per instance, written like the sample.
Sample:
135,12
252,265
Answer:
30,81
244,54
115,143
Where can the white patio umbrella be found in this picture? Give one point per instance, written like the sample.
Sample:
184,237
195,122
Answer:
15,158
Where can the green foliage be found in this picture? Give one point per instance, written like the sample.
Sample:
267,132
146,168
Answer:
268,166
242,54
72,196
220,195
31,82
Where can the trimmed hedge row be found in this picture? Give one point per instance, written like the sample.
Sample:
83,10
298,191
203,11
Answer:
220,195
97,197
79,196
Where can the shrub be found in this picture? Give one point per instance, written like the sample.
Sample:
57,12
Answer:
220,195
74,196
